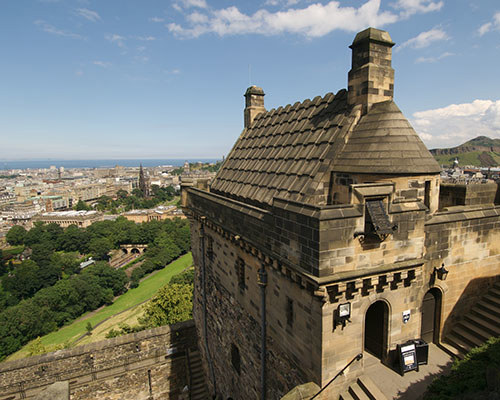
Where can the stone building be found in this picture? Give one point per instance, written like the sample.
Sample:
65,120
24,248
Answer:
82,219
322,237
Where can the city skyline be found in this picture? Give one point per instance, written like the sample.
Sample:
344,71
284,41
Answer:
87,80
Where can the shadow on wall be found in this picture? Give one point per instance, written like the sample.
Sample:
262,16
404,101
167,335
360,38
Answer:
470,296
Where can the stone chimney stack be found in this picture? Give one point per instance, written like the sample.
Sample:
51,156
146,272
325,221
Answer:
371,78
254,104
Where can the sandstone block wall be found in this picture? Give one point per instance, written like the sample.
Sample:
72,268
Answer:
146,365
467,241
234,319
467,195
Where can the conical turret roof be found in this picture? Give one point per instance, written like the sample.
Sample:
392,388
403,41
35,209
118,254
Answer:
384,142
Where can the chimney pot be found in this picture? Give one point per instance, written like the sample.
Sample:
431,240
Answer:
371,78
254,104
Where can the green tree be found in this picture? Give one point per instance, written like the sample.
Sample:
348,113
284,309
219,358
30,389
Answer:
173,303
82,206
108,277
24,281
36,347
74,239
38,235
89,328
16,235
100,247
121,194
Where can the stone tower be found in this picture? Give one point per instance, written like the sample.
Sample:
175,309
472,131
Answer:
143,182
320,237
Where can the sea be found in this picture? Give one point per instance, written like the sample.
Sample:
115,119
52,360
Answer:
47,163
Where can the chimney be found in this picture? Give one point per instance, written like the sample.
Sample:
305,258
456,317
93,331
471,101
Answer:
254,104
371,78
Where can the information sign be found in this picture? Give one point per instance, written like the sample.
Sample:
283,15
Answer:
407,357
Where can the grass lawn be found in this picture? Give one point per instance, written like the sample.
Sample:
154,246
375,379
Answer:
146,289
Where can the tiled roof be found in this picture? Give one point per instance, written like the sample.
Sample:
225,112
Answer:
384,142
283,150
286,152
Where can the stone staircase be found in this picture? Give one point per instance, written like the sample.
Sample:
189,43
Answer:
198,388
363,389
479,324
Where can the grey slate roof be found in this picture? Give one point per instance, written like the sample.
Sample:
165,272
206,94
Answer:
384,142
283,150
286,152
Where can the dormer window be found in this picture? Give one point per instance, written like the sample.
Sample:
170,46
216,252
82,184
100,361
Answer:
377,222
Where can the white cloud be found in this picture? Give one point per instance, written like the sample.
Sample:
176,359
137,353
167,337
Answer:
455,124
157,19
434,59
103,64
183,4
487,27
146,38
46,27
425,39
116,39
88,14
282,3
410,7
313,21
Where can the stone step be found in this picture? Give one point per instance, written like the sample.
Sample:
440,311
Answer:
486,316
198,389
370,388
490,308
483,323
357,392
497,285
452,350
462,347
346,396
475,330
472,339
494,292
492,300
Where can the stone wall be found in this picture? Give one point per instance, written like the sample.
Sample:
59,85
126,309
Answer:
294,350
467,241
473,194
315,262
146,365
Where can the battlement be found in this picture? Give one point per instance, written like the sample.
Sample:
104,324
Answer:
134,364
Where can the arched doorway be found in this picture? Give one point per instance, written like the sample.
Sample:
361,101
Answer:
431,316
376,329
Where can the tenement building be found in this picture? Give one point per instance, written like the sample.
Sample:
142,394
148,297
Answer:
322,238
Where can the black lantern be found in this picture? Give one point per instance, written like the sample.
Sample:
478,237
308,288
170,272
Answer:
441,272
343,314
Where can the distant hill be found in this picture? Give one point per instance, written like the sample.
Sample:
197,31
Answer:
480,152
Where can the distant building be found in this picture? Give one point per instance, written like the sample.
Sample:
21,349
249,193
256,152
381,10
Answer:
157,214
143,182
82,219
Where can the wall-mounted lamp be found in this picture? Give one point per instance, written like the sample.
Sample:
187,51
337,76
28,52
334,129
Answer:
441,272
343,314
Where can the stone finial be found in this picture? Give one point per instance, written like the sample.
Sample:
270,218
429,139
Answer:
371,78
254,104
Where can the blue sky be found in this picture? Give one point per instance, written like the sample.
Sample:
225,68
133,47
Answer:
165,79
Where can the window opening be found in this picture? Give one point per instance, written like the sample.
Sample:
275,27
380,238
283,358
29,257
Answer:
235,358
289,311
240,270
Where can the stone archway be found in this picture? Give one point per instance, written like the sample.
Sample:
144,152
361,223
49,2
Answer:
376,329
431,316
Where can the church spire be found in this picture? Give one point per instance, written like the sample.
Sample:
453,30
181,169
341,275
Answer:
143,184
